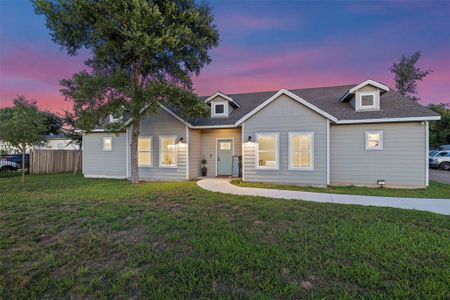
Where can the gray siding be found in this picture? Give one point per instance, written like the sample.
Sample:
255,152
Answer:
286,115
155,125
209,144
400,163
195,153
99,163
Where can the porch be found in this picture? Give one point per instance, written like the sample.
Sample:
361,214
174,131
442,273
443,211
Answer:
217,147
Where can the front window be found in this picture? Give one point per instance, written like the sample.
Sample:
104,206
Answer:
107,144
167,152
301,151
374,140
145,152
267,151
225,146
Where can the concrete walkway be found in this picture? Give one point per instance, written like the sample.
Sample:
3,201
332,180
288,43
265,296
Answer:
222,185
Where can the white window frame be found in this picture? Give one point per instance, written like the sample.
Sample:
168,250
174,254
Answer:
376,100
277,150
103,140
380,132
151,151
225,108
290,166
174,137
114,120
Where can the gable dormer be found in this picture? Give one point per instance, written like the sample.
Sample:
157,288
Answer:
221,105
365,96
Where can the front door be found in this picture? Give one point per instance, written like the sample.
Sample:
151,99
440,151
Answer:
224,157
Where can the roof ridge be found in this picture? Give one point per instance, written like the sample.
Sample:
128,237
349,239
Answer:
295,89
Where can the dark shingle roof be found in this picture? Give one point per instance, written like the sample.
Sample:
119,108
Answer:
393,105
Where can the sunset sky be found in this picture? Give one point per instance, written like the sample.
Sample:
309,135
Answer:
264,46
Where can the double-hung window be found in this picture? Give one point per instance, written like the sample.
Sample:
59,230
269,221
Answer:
167,152
145,158
267,151
107,144
374,140
301,151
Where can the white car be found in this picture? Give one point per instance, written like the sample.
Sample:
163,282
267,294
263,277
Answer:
6,165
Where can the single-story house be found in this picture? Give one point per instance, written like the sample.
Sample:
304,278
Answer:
59,142
358,134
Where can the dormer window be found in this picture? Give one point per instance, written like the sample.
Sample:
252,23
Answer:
367,100
221,105
115,117
219,109
365,96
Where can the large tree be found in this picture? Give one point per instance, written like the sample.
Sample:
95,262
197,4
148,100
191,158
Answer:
22,126
53,123
406,75
144,53
440,130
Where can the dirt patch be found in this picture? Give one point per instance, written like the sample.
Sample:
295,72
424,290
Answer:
133,235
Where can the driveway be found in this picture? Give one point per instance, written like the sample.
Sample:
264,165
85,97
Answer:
222,185
440,176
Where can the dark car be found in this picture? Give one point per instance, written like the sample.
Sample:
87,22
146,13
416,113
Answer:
444,147
17,158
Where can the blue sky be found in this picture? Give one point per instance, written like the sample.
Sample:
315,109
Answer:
265,45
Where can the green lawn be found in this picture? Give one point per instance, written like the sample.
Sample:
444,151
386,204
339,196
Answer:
435,190
69,237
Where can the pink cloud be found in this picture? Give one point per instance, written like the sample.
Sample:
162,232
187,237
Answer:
40,65
35,73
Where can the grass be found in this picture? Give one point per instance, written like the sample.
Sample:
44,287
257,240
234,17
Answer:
435,190
69,237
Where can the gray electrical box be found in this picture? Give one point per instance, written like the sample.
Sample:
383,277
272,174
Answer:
235,172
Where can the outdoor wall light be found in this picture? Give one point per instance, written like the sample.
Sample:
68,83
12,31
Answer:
249,139
180,140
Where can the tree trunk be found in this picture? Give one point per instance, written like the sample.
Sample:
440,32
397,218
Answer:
134,178
23,163
77,159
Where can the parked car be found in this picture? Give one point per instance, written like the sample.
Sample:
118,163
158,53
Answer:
441,159
6,165
432,153
17,158
444,147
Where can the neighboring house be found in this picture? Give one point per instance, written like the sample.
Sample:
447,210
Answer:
59,142
53,142
339,135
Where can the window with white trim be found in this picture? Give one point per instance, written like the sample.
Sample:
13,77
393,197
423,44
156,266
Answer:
107,143
301,151
219,109
267,151
367,100
374,140
167,152
145,155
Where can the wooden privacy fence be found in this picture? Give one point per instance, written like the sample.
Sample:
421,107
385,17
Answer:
54,161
